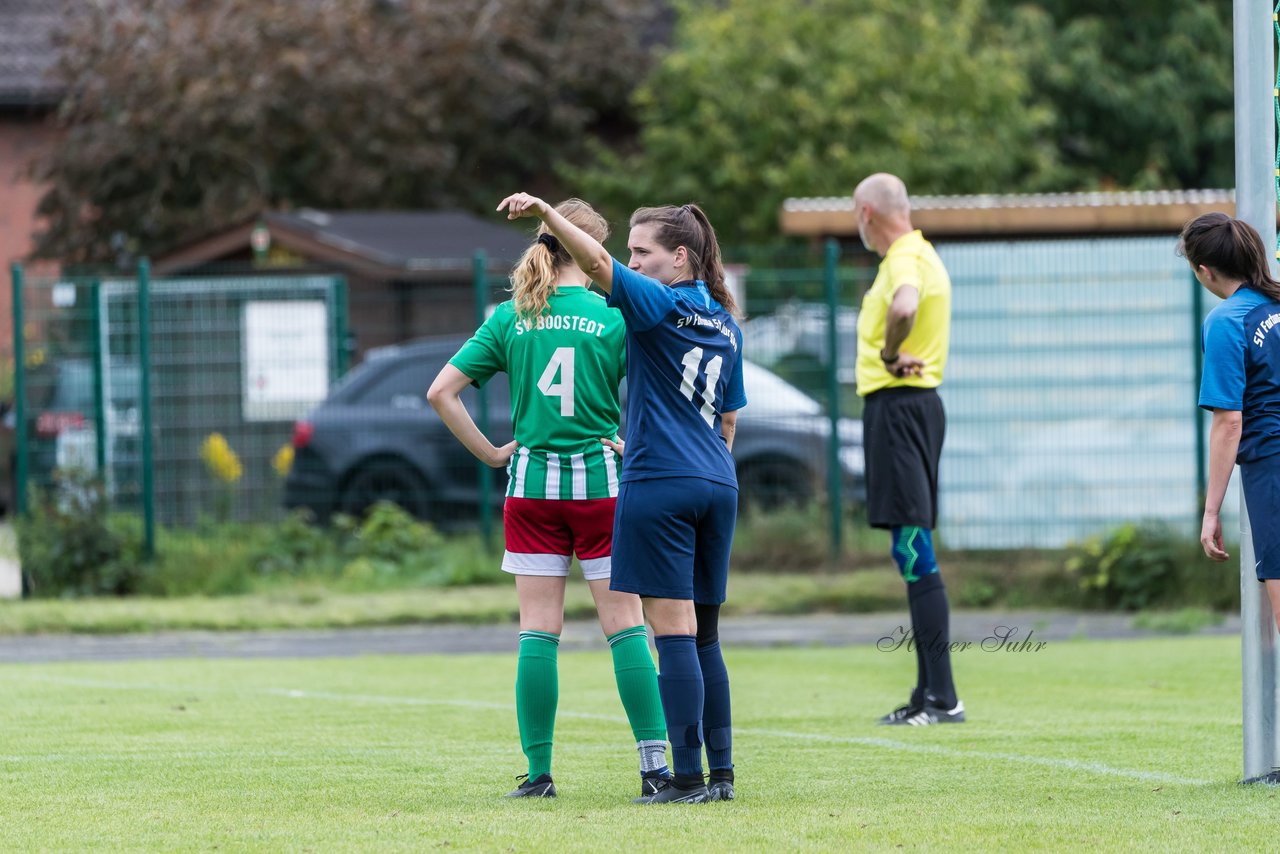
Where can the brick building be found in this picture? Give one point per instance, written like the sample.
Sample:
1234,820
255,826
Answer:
28,98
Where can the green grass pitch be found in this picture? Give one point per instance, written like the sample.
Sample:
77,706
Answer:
1082,745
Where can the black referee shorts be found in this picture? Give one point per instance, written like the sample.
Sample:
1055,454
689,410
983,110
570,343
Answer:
902,431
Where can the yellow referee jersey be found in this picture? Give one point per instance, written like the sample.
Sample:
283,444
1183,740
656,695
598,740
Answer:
911,260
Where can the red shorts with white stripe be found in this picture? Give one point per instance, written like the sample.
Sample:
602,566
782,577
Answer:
543,536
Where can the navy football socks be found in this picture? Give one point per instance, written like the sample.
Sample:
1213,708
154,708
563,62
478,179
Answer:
680,683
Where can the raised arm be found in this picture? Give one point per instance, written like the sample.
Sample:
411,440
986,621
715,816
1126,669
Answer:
587,252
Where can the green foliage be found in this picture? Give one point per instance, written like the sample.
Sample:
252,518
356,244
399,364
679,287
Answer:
787,539
297,545
759,100
71,546
211,560
387,549
391,535
1142,90
1184,621
1136,567
184,117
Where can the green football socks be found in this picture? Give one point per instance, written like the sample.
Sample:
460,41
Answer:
537,694
638,689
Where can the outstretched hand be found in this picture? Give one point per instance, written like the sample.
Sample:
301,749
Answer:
522,205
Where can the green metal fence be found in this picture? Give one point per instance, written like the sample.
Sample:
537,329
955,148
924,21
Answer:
1070,389
180,392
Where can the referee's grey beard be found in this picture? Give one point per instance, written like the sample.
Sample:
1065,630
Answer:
862,235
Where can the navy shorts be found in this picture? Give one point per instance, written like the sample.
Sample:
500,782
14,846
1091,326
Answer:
671,538
1261,479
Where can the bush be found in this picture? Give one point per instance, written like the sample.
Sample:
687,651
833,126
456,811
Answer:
788,539
389,534
1143,566
297,546
212,560
70,545
388,548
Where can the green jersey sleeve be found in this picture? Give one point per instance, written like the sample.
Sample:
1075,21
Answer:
485,353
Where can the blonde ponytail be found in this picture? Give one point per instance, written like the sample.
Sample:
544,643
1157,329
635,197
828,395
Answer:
534,278
533,281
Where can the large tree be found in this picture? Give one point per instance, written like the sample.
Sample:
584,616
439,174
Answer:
185,115
1142,89
759,100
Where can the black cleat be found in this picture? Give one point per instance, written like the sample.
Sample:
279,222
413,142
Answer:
651,782
539,788
720,786
900,715
932,713
721,790
669,793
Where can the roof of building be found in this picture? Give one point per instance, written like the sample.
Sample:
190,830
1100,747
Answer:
1013,214
388,244
411,240
28,53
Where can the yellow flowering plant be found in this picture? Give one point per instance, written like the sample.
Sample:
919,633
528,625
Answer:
282,462
224,466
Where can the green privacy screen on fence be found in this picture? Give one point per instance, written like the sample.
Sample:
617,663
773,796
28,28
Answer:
1071,391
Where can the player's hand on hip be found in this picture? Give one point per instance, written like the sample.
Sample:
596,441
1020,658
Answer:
522,205
501,456
616,444
1211,537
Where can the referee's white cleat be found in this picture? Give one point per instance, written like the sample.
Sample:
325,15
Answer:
900,715
932,714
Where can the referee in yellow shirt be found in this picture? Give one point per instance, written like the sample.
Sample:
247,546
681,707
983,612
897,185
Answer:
903,333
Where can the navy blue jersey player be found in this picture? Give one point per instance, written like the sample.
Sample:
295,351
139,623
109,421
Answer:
678,493
1240,384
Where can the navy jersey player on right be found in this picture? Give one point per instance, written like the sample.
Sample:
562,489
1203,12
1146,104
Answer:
678,494
1240,384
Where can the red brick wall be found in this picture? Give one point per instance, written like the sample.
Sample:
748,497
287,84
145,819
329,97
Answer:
21,140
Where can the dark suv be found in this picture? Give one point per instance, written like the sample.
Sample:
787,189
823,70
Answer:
375,437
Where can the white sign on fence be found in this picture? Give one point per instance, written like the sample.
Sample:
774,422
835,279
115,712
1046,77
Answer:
286,358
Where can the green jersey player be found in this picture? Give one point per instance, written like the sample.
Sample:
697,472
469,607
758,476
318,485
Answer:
563,349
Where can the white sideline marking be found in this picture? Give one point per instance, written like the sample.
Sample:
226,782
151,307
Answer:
885,743
1047,761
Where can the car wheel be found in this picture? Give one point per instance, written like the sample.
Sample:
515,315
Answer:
385,480
770,484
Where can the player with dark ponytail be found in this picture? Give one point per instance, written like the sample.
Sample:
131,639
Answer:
1240,383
